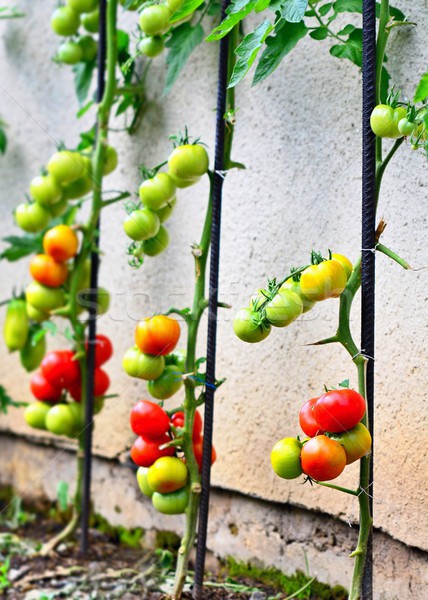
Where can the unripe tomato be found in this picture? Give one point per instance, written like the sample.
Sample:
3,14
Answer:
65,166
284,308
183,183
79,188
188,162
384,120
177,358
144,366
322,458
45,270
35,414
406,127
102,304
60,368
158,335
44,298
60,420
82,6
157,191
356,442
247,327
16,325
198,448
174,503
59,208
78,417
88,47
149,420
45,190
345,262
36,315
174,5
167,474
165,212
151,46
294,286
322,281
154,20
339,410
110,160
103,349
141,224
32,218
157,244
69,53
167,384
91,21
32,354
145,452
285,458
61,243
307,420
65,21
43,390
177,420
142,481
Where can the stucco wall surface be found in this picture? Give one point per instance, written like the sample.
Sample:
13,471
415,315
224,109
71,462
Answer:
299,137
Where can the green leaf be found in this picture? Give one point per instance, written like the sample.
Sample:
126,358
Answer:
62,495
237,11
21,246
421,93
247,51
3,140
84,109
319,34
45,328
261,5
325,8
352,49
181,44
352,6
384,85
344,383
347,30
82,79
188,7
277,47
293,10
7,402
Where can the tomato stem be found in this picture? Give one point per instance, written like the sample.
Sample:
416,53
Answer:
339,488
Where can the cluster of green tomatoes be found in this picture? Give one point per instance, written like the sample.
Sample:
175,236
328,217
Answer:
66,22
155,21
283,303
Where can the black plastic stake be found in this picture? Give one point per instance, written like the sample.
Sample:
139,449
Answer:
368,245
92,330
212,311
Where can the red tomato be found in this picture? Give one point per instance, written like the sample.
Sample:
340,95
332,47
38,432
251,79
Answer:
149,419
198,449
60,368
307,419
339,410
103,349
158,335
43,390
177,420
101,385
322,458
145,452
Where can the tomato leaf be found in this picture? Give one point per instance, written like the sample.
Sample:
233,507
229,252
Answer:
277,47
421,93
84,109
325,8
181,44
188,7
356,6
7,402
344,383
352,49
247,51
237,11
82,79
21,246
45,328
3,139
319,34
293,10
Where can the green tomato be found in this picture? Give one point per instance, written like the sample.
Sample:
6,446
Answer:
78,417
60,420
84,301
157,191
151,46
66,166
294,286
32,354
406,127
65,21
45,190
167,384
89,48
141,224
178,359
174,5
35,414
285,458
143,483
284,308
144,366
183,183
79,188
167,474
174,503
384,120
158,243
154,20
44,298
188,162
69,53
36,315
16,325
110,160
165,212
356,442
33,217
82,6
91,21
59,208
247,327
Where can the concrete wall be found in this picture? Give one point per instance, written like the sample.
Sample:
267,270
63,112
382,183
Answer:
299,136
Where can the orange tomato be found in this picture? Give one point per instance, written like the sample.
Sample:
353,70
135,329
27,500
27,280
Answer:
45,270
158,335
61,243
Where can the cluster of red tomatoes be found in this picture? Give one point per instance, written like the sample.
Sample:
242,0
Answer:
66,21
325,278
336,437
186,165
162,474
60,374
